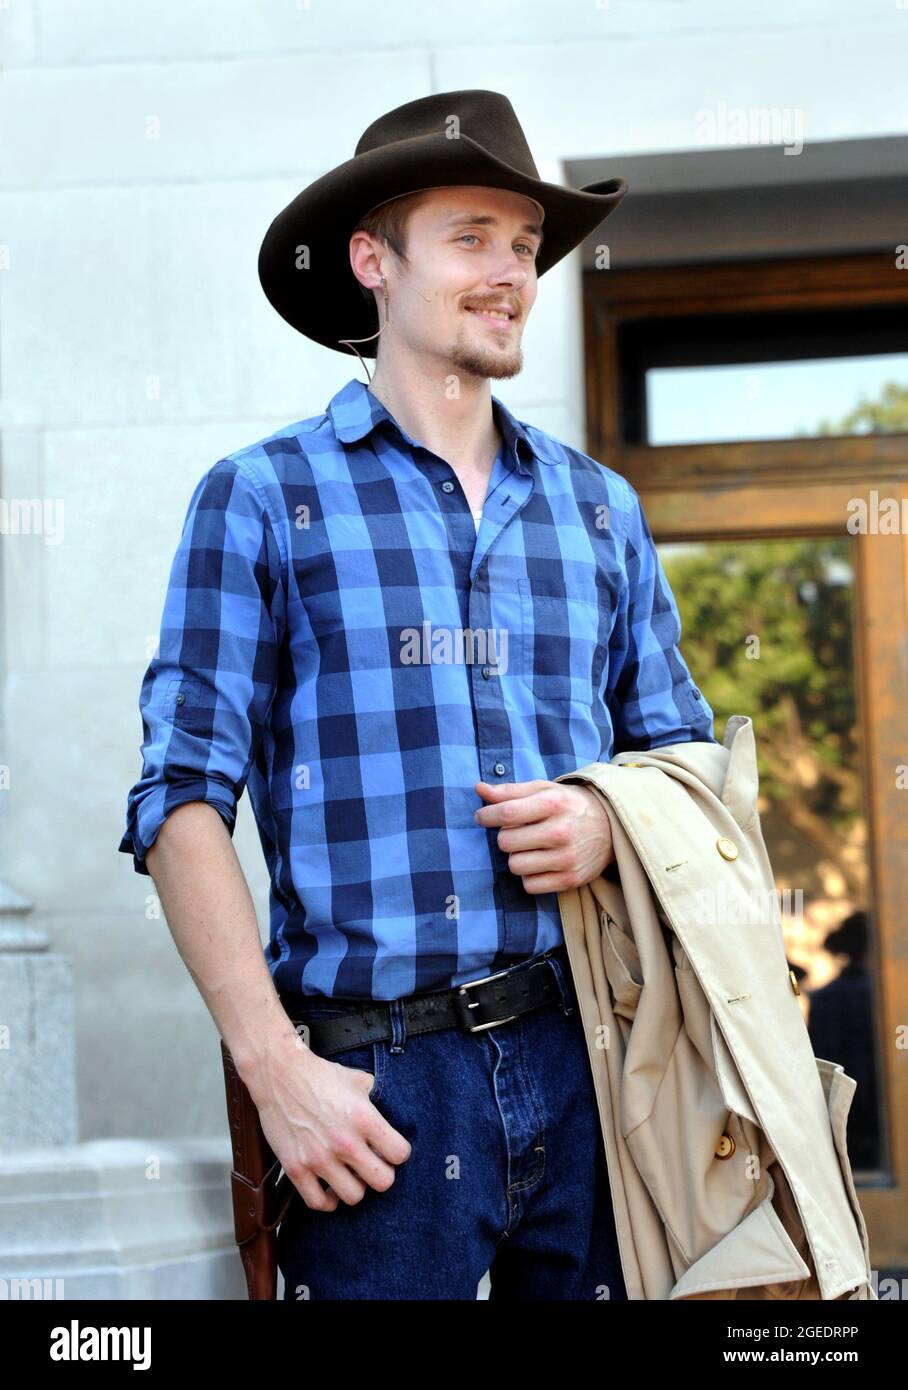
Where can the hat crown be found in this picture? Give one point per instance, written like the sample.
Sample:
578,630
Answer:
487,118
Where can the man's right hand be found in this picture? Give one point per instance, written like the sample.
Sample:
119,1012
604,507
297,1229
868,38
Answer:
317,1116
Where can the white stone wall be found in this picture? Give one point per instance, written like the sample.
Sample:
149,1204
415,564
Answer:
144,148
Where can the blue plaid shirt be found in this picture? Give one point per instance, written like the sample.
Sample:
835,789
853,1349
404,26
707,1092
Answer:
337,634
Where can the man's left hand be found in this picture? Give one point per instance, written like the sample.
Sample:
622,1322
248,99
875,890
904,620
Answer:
556,835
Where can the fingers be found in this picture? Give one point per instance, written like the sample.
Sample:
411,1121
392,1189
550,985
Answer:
387,1141
499,790
348,1169
529,863
553,833
547,883
344,1185
522,803
357,1148
312,1192
348,1185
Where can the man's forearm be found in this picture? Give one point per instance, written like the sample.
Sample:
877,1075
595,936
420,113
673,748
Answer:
212,919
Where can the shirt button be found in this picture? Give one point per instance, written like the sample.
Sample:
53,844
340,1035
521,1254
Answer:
486,673
447,486
500,769
695,692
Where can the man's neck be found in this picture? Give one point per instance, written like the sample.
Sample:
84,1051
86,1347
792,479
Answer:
461,430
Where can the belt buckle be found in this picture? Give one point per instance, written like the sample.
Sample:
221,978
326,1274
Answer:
471,984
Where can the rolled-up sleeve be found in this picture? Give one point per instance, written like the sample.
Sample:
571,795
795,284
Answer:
206,696
650,693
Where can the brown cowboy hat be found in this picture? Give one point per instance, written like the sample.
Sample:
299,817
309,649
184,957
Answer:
466,137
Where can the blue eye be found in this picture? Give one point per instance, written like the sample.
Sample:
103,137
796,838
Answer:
474,237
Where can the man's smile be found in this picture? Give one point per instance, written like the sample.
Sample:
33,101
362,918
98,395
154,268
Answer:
501,318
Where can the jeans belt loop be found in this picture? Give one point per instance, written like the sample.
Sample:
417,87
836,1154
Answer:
566,1000
398,1026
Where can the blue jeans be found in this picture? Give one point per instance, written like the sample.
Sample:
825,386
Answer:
507,1171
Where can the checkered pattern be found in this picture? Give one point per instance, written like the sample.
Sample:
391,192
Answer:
338,636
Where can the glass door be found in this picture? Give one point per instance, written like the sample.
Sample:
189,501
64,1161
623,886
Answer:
761,411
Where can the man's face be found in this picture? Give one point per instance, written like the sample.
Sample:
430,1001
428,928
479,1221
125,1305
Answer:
471,249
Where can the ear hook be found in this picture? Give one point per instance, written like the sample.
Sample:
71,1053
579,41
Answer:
351,341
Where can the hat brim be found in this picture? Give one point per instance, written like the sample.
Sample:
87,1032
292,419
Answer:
304,261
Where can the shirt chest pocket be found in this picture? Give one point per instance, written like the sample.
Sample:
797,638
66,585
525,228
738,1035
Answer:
561,650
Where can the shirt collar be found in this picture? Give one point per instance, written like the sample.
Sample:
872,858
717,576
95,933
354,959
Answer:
355,412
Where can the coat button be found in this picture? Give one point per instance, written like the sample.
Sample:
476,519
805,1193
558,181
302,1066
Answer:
180,699
727,848
796,988
725,1147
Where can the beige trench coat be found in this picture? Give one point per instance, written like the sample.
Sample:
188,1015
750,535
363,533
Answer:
724,1135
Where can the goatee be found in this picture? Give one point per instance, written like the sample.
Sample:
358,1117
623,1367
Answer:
498,366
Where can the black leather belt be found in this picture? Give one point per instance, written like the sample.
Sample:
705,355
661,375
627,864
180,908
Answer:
473,1006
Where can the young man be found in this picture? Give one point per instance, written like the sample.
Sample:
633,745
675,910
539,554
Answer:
399,620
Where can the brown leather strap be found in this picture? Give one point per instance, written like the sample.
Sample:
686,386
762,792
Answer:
260,1197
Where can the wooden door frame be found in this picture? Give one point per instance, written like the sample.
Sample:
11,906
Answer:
795,487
